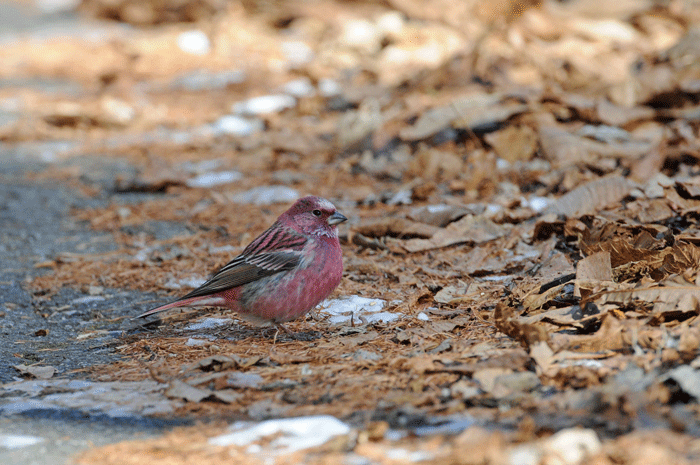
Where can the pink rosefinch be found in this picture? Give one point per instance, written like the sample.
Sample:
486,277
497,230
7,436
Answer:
281,275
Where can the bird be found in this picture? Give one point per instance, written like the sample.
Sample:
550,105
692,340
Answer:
282,274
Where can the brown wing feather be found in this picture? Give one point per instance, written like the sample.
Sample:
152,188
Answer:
243,270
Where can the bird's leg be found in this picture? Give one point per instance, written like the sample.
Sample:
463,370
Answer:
283,328
279,326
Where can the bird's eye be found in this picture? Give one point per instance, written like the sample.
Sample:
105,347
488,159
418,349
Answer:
316,212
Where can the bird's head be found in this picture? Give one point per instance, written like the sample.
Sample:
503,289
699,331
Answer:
316,216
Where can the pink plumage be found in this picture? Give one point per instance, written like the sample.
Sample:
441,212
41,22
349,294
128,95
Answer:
285,272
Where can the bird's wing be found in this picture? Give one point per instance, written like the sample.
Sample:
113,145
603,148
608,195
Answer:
277,249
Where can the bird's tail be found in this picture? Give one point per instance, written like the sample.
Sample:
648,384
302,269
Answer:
191,302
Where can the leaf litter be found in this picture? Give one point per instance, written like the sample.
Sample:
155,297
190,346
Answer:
523,204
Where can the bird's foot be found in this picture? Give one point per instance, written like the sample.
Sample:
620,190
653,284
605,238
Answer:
291,335
277,327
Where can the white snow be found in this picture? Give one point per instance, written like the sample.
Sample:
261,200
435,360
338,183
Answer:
297,52
299,88
264,104
359,309
539,203
192,342
14,441
237,125
266,195
329,87
214,179
193,282
87,299
290,434
194,42
208,323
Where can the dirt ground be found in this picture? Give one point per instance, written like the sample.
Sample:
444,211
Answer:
521,182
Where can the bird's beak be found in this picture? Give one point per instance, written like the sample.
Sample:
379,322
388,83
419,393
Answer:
336,218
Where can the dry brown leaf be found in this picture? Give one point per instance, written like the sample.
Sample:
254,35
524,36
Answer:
471,229
513,143
691,188
689,340
667,300
441,215
591,197
487,377
617,115
484,260
592,272
451,293
543,356
683,259
36,371
355,127
475,118
648,166
683,206
564,318
506,322
421,364
473,111
651,211
565,149
624,249
284,358
396,227
534,302
436,164
610,336
181,390
595,267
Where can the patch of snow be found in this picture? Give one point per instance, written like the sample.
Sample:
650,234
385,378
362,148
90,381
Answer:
56,6
264,104
200,79
538,204
87,299
402,197
266,195
493,208
297,52
237,126
391,22
439,208
290,434
404,455
214,179
14,441
194,42
329,87
301,87
193,282
224,249
343,309
208,323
